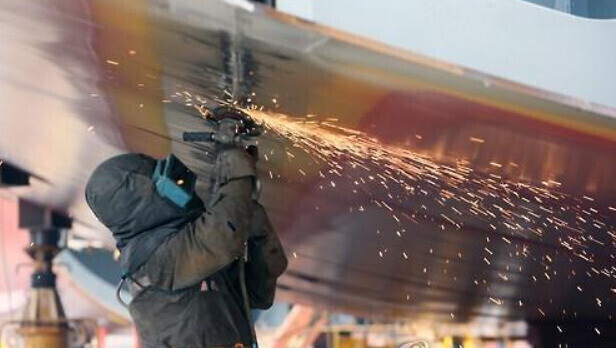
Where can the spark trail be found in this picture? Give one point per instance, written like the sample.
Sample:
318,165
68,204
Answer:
411,187
461,195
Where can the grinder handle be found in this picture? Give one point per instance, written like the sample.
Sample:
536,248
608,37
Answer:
198,136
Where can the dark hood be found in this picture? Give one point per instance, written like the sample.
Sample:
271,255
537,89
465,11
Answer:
123,197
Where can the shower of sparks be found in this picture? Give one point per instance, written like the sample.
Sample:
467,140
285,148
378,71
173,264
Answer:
412,188
520,209
496,301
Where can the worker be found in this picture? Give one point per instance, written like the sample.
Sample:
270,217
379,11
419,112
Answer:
194,269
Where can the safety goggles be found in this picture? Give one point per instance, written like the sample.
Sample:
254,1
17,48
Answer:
174,181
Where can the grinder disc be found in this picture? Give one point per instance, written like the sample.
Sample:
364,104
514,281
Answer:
248,126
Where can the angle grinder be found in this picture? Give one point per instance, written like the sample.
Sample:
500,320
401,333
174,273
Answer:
233,126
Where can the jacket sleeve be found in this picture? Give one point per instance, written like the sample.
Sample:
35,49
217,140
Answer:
266,261
208,244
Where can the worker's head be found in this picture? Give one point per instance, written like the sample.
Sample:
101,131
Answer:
134,193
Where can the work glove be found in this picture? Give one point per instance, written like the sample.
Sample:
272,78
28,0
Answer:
233,162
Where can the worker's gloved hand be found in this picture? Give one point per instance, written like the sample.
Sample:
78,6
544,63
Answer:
234,163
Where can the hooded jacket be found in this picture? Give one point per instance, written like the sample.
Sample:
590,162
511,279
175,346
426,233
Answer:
187,264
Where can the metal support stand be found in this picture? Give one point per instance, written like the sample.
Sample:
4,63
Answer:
43,319
44,323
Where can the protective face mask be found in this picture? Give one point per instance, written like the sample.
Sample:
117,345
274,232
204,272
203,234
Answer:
174,181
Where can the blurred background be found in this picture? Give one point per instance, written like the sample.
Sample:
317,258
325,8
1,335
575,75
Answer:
440,172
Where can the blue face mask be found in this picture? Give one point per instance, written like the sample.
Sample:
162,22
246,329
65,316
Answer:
174,181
